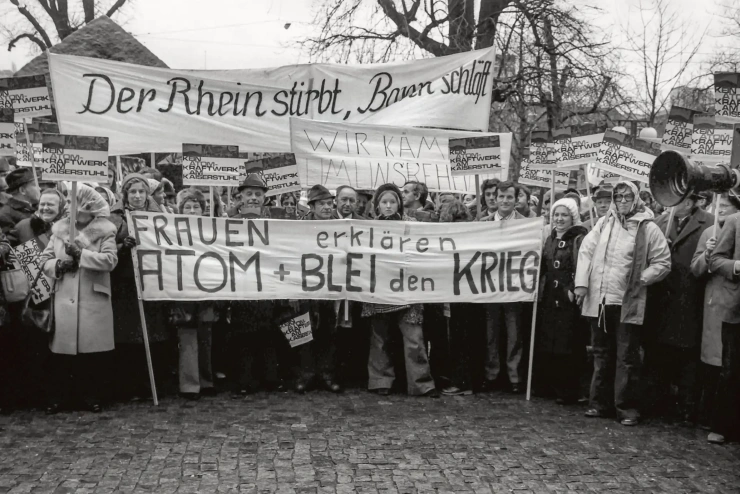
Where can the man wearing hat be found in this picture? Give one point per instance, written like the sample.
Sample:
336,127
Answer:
23,201
601,195
676,313
318,358
255,343
321,203
251,201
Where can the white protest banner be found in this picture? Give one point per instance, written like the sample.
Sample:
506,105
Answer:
298,330
391,262
27,257
572,152
627,156
727,97
28,96
596,176
542,178
208,164
711,140
75,158
482,155
678,130
7,132
367,156
145,109
542,154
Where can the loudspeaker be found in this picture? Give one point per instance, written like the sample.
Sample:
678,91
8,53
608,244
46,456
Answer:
674,177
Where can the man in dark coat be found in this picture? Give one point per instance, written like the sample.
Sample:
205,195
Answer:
318,358
24,198
346,200
676,307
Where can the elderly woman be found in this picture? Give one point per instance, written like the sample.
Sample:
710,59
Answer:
83,316
50,209
193,321
134,382
107,194
559,344
407,318
715,303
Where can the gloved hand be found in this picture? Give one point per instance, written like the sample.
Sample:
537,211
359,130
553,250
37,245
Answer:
129,242
66,266
73,250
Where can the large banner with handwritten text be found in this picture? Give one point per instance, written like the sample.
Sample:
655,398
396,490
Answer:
390,262
367,156
146,109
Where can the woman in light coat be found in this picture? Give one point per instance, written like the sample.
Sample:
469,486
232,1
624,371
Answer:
83,315
715,303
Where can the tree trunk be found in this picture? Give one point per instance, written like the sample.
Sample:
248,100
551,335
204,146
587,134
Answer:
461,25
487,20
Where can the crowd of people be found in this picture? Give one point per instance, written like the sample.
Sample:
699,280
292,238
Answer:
638,310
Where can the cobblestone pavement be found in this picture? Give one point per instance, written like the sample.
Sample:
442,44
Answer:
355,442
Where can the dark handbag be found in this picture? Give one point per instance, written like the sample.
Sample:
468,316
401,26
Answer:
37,317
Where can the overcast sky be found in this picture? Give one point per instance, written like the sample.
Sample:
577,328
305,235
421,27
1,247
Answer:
250,34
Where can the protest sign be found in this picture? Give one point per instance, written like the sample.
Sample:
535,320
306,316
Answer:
281,174
542,178
458,157
627,156
482,156
155,109
367,156
596,176
27,96
27,256
75,158
678,130
390,262
542,151
298,330
7,132
727,97
207,164
23,152
711,141
572,152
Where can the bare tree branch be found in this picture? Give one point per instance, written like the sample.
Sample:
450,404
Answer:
40,30
29,36
113,8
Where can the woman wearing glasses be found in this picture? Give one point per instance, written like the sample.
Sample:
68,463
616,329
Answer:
623,254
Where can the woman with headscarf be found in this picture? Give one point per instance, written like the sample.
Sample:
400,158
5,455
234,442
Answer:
193,322
559,346
407,318
83,316
106,194
157,193
715,304
134,380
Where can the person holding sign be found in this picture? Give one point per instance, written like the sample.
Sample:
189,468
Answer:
83,315
193,322
128,331
318,358
255,343
508,315
716,300
24,198
388,206
623,254
558,357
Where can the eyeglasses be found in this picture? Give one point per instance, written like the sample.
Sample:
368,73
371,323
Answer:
624,197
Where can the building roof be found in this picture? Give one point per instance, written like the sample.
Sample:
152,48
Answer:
101,38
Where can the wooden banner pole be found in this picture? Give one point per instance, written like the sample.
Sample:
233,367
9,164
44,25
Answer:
119,174
534,322
716,217
73,213
671,215
26,123
145,333
480,196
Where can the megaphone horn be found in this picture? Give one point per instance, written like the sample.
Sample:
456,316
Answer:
674,177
